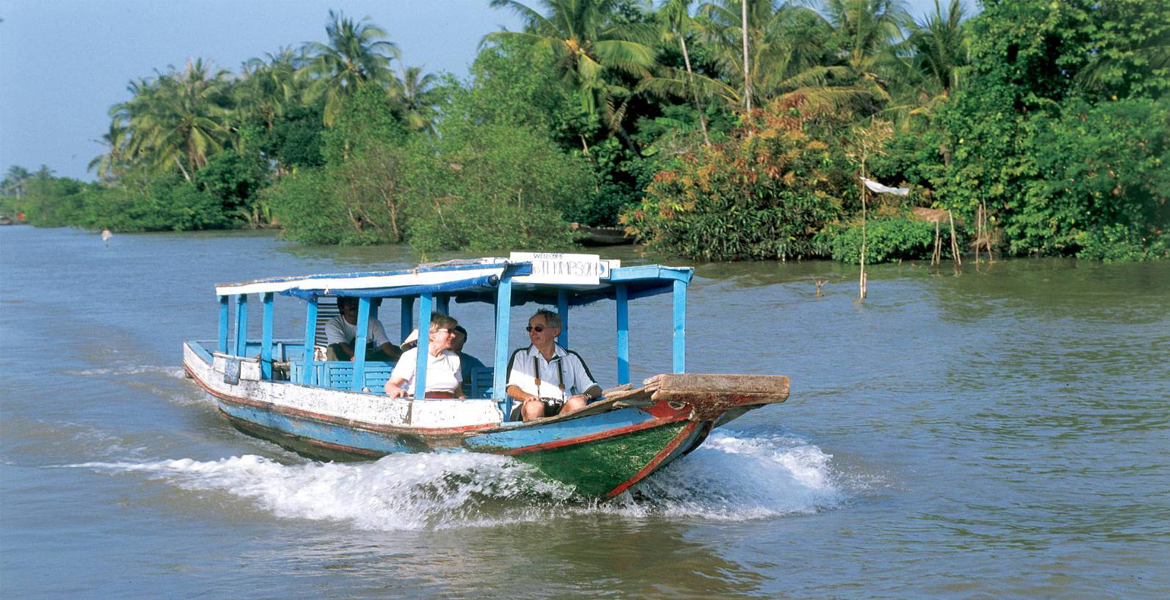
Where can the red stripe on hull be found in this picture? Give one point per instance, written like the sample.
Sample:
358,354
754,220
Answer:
593,437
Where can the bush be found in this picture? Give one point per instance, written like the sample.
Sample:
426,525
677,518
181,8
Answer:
887,239
1117,243
491,187
168,203
236,180
761,195
303,202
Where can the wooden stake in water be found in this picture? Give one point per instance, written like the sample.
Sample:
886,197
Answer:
864,193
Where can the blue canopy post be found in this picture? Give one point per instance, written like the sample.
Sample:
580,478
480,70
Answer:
623,334
563,311
359,344
224,324
407,318
680,326
310,341
443,303
241,325
424,338
500,358
266,338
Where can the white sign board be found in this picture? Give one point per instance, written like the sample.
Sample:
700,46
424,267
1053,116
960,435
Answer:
555,267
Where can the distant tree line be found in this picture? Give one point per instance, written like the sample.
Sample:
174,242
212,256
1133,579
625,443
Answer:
727,130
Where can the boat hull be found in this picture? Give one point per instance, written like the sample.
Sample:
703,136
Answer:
602,451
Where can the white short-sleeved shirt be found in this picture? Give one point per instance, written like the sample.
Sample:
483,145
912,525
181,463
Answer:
563,376
339,331
442,371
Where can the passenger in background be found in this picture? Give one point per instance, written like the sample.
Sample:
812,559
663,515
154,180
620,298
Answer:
341,331
546,378
467,362
443,376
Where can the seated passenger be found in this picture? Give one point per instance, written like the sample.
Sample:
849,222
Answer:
546,378
341,332
443,376
468,362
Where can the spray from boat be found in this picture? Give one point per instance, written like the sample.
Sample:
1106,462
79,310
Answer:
733,477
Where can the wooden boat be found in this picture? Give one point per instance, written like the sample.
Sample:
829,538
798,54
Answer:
600,236
279,390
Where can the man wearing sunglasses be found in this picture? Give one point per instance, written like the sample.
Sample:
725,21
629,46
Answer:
545,378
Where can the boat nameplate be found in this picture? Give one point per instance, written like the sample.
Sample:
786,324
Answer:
560,268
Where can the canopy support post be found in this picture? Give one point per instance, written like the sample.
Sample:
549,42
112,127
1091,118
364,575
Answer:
407,317
680,326
224,323
563,311
359,345
266,339
241,325
424,339
443,304
310,341
623,334
500,360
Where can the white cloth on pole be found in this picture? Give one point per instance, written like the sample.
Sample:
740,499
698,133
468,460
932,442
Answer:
881,189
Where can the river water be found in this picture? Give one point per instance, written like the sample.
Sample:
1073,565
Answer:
1003,433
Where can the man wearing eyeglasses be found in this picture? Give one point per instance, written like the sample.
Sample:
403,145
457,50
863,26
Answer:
544,377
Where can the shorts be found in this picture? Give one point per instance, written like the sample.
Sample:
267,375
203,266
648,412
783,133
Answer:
552,407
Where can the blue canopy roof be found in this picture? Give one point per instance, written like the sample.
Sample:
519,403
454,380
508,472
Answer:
470,281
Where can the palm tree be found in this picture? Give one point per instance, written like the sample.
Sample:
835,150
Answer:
418,97
940,46
675,19
592,50
357,52
14,181
866,32
784,40
111,164
178,117
268,88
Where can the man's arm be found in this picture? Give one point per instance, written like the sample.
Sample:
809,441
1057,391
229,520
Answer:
518,394
394,352
583,378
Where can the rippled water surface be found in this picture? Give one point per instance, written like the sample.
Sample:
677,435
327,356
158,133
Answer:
1003,433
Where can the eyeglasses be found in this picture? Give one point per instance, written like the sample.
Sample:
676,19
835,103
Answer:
537,329
450,331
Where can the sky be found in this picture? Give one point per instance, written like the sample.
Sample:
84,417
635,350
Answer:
64,63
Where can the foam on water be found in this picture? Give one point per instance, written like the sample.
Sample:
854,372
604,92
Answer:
737,477
169,371
728,478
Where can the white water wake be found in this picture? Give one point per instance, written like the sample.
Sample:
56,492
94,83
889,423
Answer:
118,371
728,478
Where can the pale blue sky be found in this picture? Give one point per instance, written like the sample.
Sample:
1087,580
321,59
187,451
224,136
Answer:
64,63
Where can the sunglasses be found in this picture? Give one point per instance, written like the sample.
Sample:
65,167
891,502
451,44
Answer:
537,329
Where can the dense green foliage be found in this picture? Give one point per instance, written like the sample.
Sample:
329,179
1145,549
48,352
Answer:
886,239
763,194
1040,126
1054,135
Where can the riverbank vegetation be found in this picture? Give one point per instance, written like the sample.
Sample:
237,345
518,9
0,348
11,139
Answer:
1040,128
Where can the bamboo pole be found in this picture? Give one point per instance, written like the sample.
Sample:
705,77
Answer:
864,194
954,244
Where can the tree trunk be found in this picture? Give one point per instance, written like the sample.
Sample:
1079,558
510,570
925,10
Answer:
747,79
682,40
186,175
